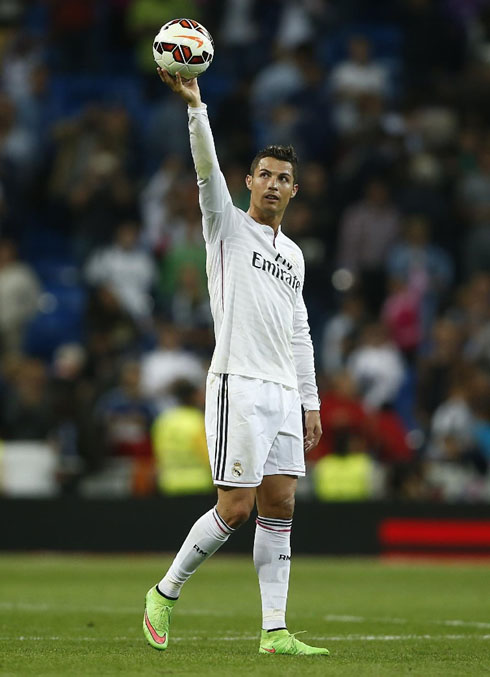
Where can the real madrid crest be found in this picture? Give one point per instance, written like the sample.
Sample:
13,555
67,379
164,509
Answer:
237,470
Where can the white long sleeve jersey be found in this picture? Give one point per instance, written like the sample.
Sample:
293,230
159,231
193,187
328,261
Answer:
255,281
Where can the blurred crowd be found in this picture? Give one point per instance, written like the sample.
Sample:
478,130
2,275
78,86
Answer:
105,326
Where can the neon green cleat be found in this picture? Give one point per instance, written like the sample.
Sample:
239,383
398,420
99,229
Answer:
156,621
282,642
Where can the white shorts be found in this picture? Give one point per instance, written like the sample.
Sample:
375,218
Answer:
253,428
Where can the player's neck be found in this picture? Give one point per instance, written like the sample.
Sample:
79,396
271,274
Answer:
272,220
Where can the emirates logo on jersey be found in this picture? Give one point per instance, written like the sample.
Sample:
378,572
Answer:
274,268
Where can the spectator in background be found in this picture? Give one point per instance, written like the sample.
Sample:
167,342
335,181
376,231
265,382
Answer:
89,179
127,269
474,312
300,119
435,369
71,395
125,416
451,427
37,109
359,73
155,203
317,193
72,30
188,252
165,135
480,403
166,364
354,82
191,311
368,230
471,307
341,410
179,443
281,77
423,194
111,334
429,37
376,367
301,229
18,146
20,291
347,475
340,332
26,414
239,34
20,56
401,315
424,268
458,446
474,192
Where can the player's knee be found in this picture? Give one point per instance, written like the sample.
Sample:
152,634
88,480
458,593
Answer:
234,512
280,506
239,514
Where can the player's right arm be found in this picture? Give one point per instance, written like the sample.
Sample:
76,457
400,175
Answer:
214,196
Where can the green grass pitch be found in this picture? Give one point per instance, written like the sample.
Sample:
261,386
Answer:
82,615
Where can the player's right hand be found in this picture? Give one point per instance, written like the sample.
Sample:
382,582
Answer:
186,89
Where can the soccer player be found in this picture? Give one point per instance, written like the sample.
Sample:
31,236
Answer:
261,373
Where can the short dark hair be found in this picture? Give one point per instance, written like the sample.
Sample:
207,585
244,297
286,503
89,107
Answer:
284,153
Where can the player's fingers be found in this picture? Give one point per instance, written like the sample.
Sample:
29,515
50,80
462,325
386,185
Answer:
167,79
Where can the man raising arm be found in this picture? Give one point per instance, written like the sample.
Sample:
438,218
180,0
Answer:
261,373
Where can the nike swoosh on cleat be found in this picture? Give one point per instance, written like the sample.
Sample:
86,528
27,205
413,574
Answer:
153,632
269,650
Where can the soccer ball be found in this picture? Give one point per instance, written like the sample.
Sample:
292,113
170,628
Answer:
183,46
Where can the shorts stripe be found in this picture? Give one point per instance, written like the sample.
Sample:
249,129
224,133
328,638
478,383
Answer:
221,429
224,430
218,419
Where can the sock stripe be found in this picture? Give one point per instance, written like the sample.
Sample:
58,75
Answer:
221,523
271,528
274,524
271,520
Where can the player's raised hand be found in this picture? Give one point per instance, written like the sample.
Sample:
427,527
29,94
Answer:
313,427
187,89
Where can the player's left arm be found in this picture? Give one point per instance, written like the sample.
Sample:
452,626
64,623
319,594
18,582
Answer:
305,370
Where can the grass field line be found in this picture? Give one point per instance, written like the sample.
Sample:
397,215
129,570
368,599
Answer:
72,608
401,621
250,638
27,606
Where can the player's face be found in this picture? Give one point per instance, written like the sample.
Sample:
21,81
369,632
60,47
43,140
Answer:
272,185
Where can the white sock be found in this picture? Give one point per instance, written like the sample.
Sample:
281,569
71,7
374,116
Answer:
272,554
206,536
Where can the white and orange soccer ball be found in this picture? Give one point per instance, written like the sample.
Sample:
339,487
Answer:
183,46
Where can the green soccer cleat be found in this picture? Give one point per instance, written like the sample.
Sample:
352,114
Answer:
156,621
282,642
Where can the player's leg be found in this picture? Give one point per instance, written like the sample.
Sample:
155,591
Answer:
272,548
272,559
206,536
